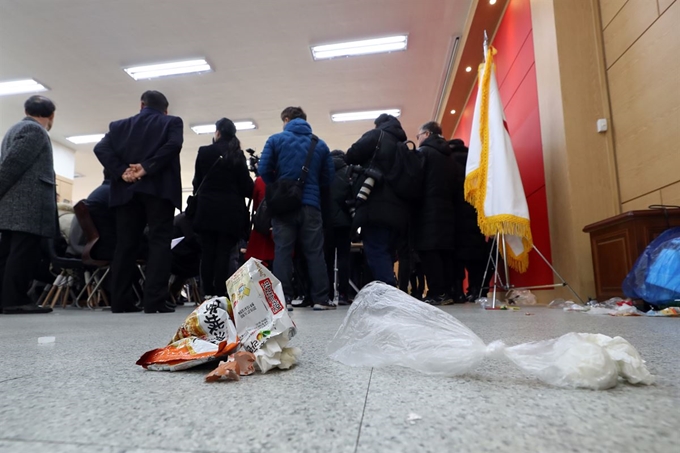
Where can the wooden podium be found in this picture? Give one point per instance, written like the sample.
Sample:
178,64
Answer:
617,242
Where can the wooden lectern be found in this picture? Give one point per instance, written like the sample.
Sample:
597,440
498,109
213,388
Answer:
617,242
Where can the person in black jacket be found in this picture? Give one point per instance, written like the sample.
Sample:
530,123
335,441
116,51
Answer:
142,155
221,214
472,248
337,230
383,216
435,221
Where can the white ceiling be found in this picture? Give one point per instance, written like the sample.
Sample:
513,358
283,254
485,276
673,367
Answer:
259,50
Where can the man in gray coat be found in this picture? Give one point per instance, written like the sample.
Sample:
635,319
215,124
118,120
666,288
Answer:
27,203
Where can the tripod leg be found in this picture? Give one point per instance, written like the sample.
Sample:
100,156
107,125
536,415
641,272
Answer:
486,271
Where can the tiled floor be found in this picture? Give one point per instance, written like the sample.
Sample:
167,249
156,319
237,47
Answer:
85,394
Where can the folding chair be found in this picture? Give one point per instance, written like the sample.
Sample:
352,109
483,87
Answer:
96,294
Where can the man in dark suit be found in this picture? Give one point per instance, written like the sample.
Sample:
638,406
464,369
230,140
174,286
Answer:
142,155
28,207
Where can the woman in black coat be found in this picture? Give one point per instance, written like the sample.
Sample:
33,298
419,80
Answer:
221,213
436,219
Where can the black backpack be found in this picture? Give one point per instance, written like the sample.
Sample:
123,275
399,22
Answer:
406,175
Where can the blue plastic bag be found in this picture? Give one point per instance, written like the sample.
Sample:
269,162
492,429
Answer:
655,277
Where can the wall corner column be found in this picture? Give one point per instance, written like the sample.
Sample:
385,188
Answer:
580,166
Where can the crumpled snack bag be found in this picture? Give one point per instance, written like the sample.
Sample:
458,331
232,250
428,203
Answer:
239,364
259,306
210,321
225,371
186,353
245,362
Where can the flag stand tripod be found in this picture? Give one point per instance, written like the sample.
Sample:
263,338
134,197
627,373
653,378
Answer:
494,258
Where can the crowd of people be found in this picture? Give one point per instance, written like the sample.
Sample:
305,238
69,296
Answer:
327,222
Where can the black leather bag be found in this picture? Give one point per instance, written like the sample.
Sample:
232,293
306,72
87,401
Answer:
192,201
285,195
262,219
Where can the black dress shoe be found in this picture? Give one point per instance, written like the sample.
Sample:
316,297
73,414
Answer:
27,309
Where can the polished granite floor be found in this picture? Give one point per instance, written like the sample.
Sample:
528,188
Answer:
84,393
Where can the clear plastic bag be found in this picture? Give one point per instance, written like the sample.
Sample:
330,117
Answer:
385,326
521,297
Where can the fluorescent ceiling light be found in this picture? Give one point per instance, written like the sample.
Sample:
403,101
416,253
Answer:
82,139
365,47
369,115
21,86
210,128
167,69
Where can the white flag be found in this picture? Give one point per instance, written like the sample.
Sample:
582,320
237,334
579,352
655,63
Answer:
492,180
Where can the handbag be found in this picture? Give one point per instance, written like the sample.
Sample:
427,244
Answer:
192,200
262,219
285,195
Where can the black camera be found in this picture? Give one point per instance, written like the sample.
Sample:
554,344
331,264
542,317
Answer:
372,176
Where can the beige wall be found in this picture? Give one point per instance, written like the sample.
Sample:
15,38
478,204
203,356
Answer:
642,48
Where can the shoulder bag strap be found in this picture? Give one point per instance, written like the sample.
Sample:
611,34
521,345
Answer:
220,157
310,153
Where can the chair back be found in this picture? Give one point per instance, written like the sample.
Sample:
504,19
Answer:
91,234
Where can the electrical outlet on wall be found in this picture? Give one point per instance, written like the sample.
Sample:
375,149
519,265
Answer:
602,125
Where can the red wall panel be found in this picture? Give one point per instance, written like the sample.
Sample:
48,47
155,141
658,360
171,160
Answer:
516,75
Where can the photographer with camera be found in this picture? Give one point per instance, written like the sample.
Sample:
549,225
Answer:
380,212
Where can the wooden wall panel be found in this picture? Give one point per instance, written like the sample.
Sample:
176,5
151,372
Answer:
642,202
631,22
609,9
645,100
671,194
664,4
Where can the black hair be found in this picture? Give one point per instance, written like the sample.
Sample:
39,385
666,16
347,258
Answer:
155,100
226,128
338,153
292,113
383,118
458,145
39,106
432,127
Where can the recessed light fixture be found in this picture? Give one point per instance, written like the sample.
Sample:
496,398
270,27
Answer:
210,128
82,139
492,2
153,71
453,112
368,115
21,86
364,47
468,69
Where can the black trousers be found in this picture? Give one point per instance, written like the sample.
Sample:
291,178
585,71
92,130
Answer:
19,258
215,262
131,219
338,239
439,270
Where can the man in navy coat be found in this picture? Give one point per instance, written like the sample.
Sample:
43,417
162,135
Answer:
142,155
